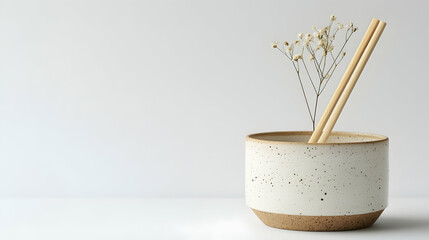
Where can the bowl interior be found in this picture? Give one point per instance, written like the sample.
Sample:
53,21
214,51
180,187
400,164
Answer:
302,137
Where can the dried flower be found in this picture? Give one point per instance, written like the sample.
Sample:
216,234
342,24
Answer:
296,57
306,43
326,30
320,42
316,34
274,44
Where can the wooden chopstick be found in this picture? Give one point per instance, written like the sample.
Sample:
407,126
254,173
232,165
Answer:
352,82
353,63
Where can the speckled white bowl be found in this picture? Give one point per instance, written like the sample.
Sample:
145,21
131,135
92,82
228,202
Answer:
338,185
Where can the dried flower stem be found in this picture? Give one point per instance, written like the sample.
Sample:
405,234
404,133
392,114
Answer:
299,78
318,46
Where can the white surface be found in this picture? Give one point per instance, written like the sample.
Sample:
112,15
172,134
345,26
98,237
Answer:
130,98
222,219
308,179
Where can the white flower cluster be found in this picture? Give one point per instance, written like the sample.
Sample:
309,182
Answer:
319,46
321,39
321,52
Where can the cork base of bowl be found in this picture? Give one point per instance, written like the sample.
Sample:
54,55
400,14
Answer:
318,223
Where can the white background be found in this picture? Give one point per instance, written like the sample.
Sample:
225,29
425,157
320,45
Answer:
154,98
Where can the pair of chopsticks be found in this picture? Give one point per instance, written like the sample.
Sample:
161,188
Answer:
345,87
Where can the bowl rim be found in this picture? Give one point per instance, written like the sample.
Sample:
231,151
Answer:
376,137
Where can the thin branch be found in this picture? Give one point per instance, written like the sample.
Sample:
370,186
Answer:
308,74
284,52
316,64
330,76
341,50
299,78
303,91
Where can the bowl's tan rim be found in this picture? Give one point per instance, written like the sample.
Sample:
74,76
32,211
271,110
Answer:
376,137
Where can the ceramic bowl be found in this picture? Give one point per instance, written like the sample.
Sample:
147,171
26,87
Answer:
338,185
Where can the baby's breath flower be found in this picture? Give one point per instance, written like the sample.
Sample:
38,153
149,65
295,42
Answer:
306,43
308,37
332,38
289,49
286,43
340,26
316,34
330,48
313,27
274,44
297,42
333,18
321,42
310,58
296,57
326,29
327,76
344,54
300,35
355,29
